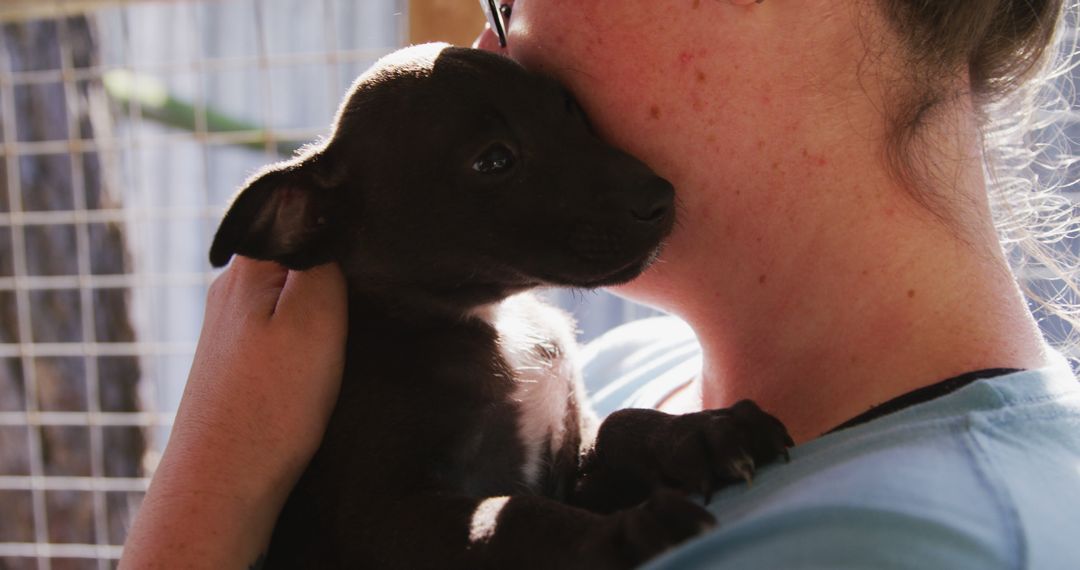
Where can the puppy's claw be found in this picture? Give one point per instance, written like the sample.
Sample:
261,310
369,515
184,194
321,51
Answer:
747,476
744,466
707,489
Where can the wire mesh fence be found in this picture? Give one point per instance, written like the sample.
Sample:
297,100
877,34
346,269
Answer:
125,128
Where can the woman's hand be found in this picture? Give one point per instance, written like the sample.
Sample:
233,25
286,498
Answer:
264,381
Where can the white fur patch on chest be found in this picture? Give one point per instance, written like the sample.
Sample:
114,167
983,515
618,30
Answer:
537,343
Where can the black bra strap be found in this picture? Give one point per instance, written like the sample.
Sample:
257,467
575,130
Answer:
921,395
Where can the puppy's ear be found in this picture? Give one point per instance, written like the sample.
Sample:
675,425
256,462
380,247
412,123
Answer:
280,215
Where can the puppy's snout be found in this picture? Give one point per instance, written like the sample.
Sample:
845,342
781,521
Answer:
654,202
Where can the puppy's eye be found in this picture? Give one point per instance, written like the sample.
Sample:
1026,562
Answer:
499,158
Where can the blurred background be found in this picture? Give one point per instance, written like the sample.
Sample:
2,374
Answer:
125,127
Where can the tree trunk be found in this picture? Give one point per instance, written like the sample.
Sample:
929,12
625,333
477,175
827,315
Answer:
47,182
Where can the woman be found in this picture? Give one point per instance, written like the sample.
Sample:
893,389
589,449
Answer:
836,252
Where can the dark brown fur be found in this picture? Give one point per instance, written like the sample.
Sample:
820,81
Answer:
425,428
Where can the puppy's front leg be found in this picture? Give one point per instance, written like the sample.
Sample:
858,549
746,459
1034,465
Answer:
520,532
637,451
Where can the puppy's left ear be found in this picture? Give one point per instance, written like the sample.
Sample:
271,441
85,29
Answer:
283,215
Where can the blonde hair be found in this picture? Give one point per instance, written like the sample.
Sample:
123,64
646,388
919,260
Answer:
1019,56
1030,170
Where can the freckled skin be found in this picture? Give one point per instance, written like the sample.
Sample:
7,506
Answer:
689,113
795,76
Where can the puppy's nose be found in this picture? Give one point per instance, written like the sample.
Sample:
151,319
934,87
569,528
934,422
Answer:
654,203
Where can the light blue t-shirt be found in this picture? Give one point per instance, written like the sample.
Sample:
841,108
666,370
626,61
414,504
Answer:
986,477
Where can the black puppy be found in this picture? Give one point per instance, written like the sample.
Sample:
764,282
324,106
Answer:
454,182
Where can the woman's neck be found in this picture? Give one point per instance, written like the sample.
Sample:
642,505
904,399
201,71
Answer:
820,279
833,290
826,339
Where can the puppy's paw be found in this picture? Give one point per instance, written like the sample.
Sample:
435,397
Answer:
638,450
665,520
704,451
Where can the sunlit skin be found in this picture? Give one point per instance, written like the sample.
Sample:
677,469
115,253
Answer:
262,385
816,284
